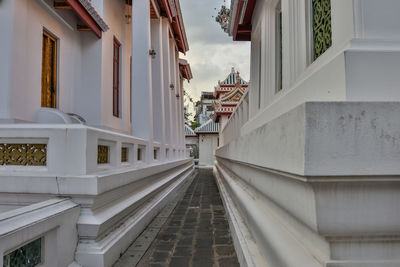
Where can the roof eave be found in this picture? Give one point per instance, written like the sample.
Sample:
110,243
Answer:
181,29
242,14
187,72
234,4
176,21
86,12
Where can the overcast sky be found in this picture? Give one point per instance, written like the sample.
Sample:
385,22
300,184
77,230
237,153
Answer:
212,53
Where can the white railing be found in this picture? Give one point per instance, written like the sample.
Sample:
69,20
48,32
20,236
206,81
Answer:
231,130
59,149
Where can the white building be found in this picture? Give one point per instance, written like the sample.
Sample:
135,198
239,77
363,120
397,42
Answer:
191,142
204,108
309,162
208,135
80,188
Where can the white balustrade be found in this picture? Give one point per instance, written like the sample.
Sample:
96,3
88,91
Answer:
239,117
71,149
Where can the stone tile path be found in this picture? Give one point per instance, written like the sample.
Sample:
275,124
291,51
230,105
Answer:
196,233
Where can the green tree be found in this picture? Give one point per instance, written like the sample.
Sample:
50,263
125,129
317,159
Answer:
194,125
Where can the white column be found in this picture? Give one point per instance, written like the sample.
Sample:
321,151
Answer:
172,94
6,55
176,99
180,112
178,117
166,74
182,104
179,108
158,85
142,111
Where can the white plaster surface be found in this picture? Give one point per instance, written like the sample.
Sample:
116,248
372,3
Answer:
331,204
107,205
313,171
207,146
54,220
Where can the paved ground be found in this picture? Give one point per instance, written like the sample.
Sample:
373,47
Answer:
195,234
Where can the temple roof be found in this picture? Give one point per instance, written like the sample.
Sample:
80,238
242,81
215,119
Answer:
233,96
209,127
229,93
230,83
189,132
231,79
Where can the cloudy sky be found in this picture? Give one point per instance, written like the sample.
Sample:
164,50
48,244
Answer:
212,53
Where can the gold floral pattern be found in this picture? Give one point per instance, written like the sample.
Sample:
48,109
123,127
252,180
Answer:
102,154
23,154
124,154
322,26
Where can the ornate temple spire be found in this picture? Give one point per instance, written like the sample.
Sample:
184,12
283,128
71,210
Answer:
238,79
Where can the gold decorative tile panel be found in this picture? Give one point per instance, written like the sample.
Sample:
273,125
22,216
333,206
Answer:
322,26
124,154
23,154
102,154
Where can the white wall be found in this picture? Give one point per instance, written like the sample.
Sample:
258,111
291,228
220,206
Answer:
341,73
114,15
207,147
85,74
313,184
192,140
223,121
29,20
373,75
377,19
89,89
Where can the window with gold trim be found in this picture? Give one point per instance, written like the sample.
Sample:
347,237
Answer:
103,156
124,154
116,78
49,71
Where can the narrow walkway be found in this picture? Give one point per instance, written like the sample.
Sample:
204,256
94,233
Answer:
197,231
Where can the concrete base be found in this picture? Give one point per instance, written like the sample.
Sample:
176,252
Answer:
320,184
245,244
53,220
108,231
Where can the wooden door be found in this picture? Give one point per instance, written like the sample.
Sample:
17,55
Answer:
49,71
